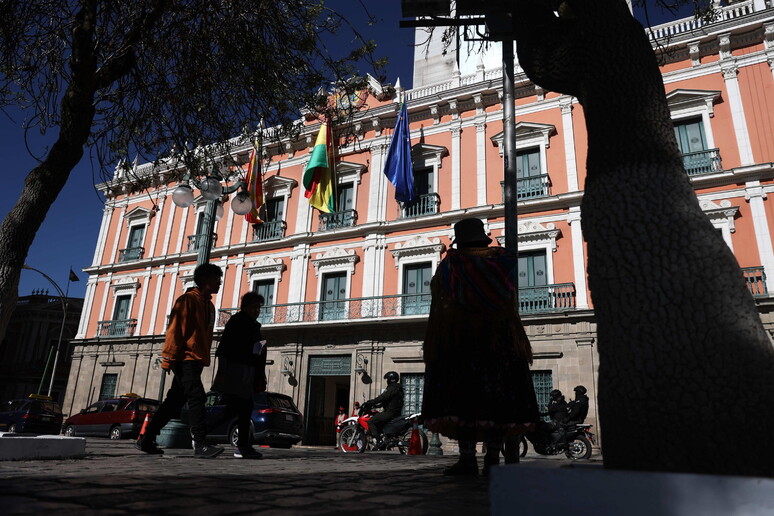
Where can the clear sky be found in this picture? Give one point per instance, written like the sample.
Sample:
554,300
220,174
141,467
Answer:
68,236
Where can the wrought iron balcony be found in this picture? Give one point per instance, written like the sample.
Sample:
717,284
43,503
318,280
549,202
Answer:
547,298
426,204
196,241
530,187
265,231
130,254
756,280
116,328
702,162
336,220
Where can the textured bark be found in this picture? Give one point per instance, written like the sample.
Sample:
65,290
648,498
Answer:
684,358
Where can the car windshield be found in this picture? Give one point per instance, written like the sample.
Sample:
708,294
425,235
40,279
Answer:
281,402
47,406
147,406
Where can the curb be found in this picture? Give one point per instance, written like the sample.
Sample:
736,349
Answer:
17,447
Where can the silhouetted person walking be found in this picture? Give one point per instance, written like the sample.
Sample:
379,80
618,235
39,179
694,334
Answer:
477,355
186,353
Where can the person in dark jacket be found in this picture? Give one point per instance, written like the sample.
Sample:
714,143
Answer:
578,409
241,369
557,408
391,400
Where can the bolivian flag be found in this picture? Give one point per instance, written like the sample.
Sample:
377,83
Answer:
254,188
318,176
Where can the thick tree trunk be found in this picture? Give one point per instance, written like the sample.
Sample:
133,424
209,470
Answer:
45,182
684,358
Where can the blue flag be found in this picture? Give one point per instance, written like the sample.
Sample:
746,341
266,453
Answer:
398,167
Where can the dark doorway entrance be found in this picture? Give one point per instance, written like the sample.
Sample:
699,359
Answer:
328,389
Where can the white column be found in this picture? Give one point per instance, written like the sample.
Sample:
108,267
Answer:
571,165
299,264
755,195
737,114
181,233
578,260
168,231
103,230
119,235
238,281
173,294
156,224
105,297
143,298
159,274
369,265
377,182
303,212
456,131
481,163
88,303
229,224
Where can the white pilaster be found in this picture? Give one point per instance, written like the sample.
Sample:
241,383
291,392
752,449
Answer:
376,183
373,265
144,287
181,233
105,294
103,230
755,195
229,225
456,174
578,260
119,236
737,114
88,303
156,225
571,165
481,163
171,296
159,274
168,231
299,264
303,213
238,281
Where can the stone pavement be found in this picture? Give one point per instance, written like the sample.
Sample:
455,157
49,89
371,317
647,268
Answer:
114,478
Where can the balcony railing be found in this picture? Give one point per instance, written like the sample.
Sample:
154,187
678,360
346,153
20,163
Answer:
336,220
130,254
756,280
426,204
547,298
530,187
273,230
196,241
702,162
116,328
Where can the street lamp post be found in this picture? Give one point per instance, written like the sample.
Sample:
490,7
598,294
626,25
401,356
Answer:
62,298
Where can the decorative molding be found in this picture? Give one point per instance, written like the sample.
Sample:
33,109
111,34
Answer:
423,154
435,114
531,232
693,51
724,45
127,284
729,71
278,186
684,102
139,214
349,172
265,266
417,246
723,211
528,134
336,258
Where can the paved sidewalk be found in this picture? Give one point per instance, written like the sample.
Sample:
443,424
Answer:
114,478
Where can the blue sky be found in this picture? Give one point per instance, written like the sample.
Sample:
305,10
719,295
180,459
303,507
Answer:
68,236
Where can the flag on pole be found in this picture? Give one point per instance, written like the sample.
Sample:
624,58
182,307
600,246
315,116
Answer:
73,277
254,188
318,175
398,167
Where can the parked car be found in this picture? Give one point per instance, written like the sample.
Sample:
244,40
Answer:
275,420
37,414
116,418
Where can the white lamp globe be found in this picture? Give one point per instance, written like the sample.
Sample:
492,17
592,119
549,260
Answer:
183,196
219,211
241,203
211,188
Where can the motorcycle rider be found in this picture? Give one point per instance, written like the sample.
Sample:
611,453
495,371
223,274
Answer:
391,400
578,409
557,411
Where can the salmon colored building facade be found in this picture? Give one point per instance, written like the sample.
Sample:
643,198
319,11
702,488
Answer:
348,293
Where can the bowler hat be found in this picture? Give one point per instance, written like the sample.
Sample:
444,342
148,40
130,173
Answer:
470,233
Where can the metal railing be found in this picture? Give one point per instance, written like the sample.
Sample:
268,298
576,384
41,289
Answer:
530,187
684,25
702,162
338,219
130,254
547,298
196,241
116,328
426,204
755,277
273,230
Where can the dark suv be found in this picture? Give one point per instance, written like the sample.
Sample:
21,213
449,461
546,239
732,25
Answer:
275,420
115,418
36,414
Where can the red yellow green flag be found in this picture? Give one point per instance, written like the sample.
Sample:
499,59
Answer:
254,188
318,175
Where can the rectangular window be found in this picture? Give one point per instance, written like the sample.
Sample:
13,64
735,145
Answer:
413,386
121,310
534,293
136,237
543,383
416,289
423,181
346,197
108,388
690,135
528,163
266,289
334,290
274,209
200,222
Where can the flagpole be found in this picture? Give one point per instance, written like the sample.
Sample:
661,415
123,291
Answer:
61,331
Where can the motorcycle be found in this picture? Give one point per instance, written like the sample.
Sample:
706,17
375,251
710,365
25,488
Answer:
354,438
573,440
